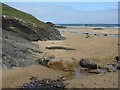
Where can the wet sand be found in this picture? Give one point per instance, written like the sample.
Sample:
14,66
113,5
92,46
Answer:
101,49
106,30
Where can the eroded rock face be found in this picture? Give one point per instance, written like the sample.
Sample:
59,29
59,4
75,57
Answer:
29,30
62,63
88,64
17,51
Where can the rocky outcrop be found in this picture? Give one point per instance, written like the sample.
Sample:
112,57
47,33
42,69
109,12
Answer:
18,30
88,64
17,51
55,25
30,30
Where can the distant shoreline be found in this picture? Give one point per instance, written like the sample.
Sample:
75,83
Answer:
92,25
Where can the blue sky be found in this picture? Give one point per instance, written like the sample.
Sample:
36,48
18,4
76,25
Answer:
71,12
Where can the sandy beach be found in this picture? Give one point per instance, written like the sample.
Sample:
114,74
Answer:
100,49
103,30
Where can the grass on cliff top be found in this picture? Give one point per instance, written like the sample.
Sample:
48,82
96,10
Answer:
7,10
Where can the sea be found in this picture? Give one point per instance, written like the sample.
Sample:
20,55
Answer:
92,25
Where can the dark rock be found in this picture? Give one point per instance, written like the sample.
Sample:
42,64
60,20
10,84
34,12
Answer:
50,24
88,36
97,28
85,33
46,84
32,78
44,61
59,47
29,30
105,35
115,65
117,58
17,51
88,64
55,25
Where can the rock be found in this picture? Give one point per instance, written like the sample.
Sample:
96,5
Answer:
62,63
44,61
98,29
88,64
94,71
116,65
86,33
44,84
17,33
105,34
55,25
108,68
50,24
88,36
117,58
59,47
60,26
17,51
29,30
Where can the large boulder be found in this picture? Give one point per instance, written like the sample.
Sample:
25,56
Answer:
65,63
88,64
30,30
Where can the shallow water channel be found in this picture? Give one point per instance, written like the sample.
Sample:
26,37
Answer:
113,35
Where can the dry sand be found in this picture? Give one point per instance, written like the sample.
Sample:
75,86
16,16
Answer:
101,49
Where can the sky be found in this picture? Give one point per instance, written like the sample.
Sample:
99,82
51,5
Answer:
71,12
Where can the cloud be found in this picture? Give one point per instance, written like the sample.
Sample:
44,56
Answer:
67,14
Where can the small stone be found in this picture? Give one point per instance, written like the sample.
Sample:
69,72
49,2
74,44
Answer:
117,58
88,64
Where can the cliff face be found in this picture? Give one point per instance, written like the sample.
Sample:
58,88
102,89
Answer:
27,25
18,30
18,51
29,30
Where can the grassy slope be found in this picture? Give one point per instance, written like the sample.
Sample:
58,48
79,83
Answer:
7,10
